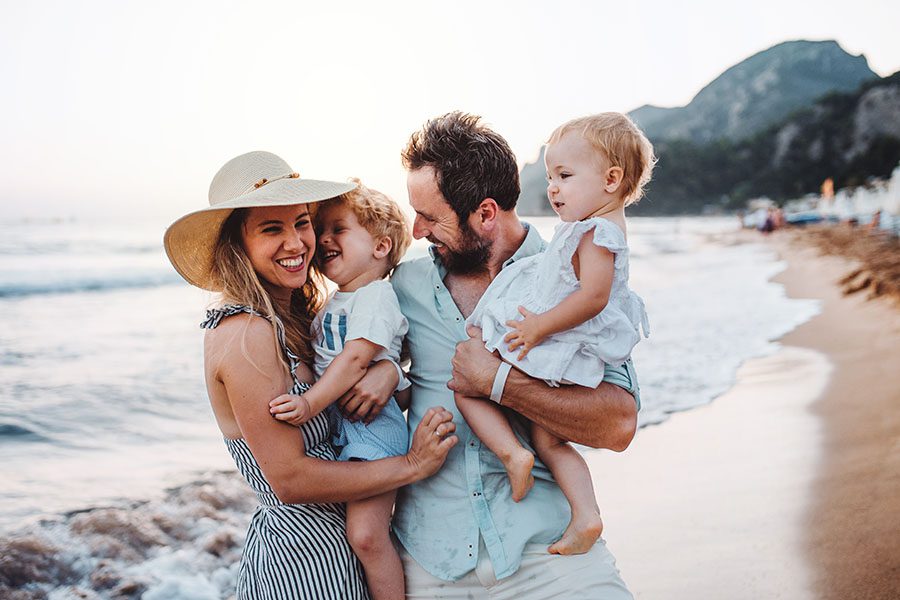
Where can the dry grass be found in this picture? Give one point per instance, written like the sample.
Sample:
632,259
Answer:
876,255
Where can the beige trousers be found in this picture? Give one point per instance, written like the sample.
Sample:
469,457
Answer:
590,576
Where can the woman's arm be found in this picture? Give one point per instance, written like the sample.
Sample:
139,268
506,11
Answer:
596,265
278,448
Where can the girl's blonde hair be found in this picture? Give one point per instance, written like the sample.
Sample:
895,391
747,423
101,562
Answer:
240,284
381,217
623,145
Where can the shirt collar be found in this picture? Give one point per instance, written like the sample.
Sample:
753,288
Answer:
532,244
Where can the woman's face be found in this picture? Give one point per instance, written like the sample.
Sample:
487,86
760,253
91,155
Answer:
279,241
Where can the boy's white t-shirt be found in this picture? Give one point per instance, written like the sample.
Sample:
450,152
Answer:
372,313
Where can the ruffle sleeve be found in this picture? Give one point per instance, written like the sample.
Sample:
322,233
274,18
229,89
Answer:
606,234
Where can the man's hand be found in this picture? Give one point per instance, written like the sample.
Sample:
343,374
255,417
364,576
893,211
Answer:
290,408
474,367
365,400
526,333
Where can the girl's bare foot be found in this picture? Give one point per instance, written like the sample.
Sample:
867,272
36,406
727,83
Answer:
518,466
580,535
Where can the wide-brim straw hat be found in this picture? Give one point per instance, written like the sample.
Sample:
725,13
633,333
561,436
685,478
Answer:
251,180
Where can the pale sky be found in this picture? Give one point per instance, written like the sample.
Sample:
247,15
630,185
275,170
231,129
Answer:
129,108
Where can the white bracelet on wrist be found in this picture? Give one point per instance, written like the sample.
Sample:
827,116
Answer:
500,382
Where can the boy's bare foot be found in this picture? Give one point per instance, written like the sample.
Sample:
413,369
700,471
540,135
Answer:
518,467
580,535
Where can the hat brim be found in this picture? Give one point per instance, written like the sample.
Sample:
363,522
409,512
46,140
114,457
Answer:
191,240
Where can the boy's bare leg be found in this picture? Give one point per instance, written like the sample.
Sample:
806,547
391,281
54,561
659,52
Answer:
491,426
574,479
368,531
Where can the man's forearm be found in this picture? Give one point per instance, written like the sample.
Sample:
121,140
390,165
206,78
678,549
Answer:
605,417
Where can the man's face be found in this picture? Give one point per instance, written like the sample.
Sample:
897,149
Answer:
460,248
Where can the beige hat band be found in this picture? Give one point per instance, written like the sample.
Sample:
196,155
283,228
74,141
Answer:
264,181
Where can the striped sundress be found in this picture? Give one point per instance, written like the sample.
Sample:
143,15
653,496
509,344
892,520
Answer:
293,551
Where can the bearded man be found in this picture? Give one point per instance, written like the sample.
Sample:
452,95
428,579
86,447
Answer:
462,535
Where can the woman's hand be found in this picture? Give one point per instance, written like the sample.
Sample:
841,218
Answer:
431,441
369,396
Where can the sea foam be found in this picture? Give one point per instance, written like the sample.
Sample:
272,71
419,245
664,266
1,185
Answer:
185,546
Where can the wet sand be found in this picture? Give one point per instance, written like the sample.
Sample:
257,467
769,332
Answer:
787,486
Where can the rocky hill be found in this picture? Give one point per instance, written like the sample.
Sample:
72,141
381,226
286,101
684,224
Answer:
758,92
849,137
775,124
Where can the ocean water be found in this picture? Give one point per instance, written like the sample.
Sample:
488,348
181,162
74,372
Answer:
116,482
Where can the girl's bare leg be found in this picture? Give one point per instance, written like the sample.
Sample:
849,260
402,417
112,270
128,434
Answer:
491,426
574,478
368,531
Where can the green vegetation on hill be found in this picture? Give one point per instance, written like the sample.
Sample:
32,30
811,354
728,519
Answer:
848,137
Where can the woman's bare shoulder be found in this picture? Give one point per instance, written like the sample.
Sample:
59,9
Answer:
246,325
240,337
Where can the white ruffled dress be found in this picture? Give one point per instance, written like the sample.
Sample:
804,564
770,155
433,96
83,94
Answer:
542,281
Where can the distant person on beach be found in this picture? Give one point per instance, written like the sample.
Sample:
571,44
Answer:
361,237
875,223
564,313
254,245
463,534
779,220
768,223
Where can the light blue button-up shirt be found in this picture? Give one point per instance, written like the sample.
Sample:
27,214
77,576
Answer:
439,520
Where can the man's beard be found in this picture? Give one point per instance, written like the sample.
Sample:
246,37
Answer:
472,255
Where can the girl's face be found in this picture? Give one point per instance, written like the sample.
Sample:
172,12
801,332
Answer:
347,254
577,179
279,241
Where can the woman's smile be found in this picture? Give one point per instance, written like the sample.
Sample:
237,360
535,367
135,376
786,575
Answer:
292,264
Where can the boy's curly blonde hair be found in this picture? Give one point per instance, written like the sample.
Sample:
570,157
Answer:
621,143
381,216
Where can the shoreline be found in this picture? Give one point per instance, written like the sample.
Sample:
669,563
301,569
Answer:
854,515
784,486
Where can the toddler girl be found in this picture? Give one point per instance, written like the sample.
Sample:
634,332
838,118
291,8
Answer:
361,236
560,315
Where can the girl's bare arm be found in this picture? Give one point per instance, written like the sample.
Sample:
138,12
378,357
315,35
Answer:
595,269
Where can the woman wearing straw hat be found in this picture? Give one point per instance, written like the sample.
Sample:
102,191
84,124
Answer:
254,245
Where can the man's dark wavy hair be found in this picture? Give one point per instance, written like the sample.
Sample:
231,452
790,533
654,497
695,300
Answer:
471,162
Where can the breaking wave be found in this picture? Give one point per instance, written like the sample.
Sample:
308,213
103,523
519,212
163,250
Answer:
186,545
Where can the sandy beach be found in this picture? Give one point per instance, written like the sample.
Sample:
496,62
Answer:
787,486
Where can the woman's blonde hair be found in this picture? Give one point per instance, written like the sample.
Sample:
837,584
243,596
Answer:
623,145
380,216
239,283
